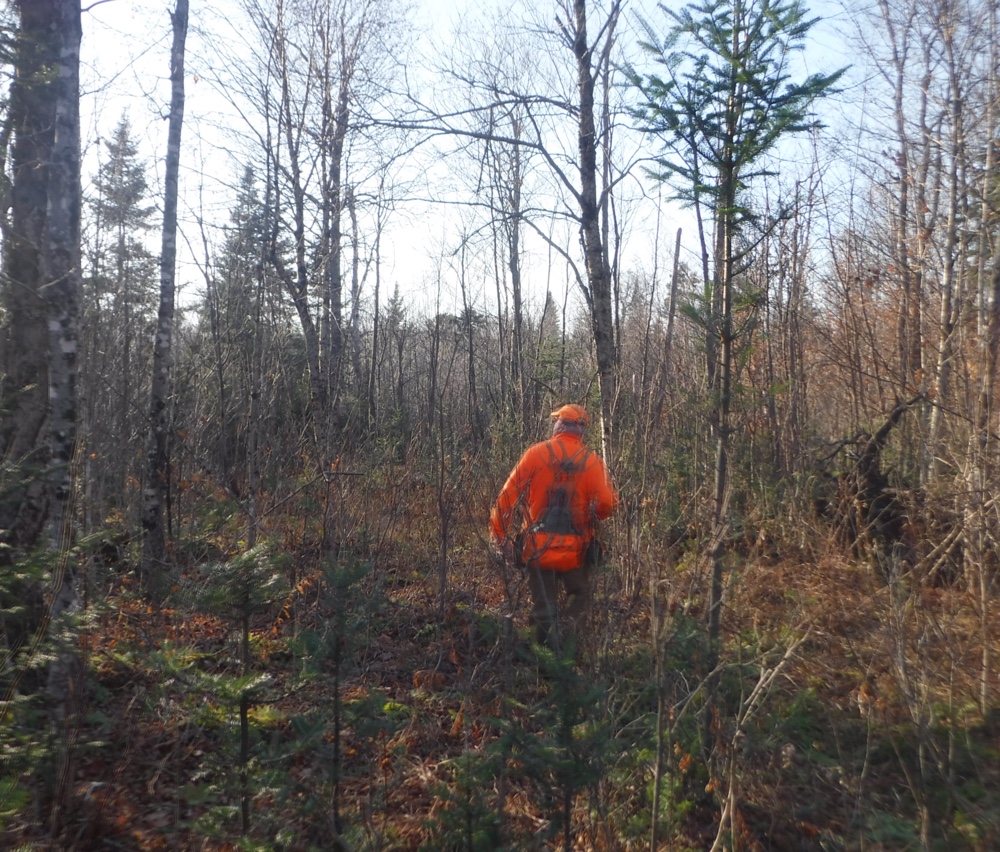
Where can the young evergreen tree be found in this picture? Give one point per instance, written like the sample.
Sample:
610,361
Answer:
118,306
235,305
721,102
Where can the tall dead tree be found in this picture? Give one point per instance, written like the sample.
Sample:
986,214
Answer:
156,488
591,203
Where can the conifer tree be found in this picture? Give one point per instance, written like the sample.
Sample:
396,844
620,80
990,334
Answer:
721,102
235,304
118,305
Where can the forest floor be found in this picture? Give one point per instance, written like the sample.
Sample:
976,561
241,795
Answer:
380,708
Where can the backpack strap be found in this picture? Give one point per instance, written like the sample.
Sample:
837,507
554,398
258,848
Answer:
568,463
554,542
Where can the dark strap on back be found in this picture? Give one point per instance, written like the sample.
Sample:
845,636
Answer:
556,518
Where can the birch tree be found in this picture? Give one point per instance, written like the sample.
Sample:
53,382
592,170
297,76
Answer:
40,291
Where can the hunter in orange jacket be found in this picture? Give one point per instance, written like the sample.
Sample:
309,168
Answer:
563,489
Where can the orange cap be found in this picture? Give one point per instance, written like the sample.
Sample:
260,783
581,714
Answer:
572,413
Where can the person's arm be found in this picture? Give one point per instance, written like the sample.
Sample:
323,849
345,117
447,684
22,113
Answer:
503,509
513,489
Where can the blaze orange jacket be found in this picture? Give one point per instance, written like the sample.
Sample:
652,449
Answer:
564,488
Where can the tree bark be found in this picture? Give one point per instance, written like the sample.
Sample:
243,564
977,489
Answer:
60,278
38,351
41,164
598,274
157,484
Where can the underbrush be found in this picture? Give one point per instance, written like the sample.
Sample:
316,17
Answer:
301,695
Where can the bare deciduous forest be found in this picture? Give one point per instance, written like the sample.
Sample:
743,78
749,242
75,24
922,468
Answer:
252,427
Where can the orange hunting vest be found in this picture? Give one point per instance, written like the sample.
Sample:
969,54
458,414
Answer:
564,488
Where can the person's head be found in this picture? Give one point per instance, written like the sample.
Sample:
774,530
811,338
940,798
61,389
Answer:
570,418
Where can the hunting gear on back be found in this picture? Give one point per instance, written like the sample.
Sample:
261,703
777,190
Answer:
561,489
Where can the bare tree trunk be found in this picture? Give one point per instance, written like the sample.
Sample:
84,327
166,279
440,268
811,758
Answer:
60,276
354,324
668,340
254,428
38,350
988,326
908,319
373,371
722,327
25,354
507,166
157,484
645,394
297,284
226,456
41,283
794,346
598,274
513,233
477,426
336,120
953,283
983,475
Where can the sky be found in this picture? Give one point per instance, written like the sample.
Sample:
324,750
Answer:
125,70
125,58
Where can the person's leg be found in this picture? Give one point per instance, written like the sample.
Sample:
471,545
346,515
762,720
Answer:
544,596
579,591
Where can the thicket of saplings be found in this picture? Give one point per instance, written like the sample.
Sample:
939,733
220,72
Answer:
354,669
